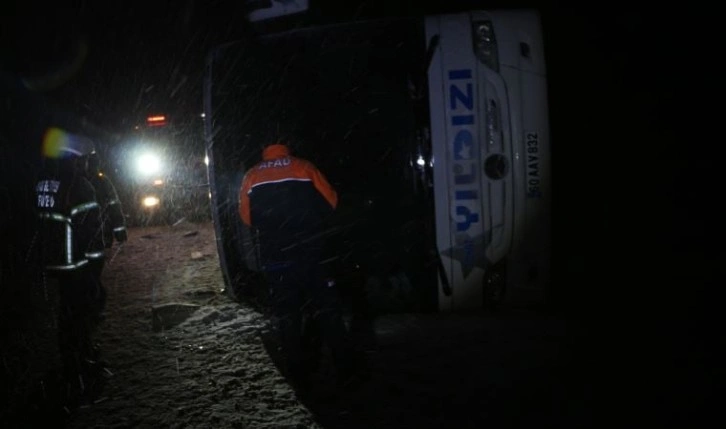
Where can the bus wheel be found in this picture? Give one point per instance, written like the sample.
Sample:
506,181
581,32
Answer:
495,281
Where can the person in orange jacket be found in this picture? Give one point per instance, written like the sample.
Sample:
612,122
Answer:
287,200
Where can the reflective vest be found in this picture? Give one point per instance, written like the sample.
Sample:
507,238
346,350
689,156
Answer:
69,223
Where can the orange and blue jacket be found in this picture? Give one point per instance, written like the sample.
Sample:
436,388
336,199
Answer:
288,200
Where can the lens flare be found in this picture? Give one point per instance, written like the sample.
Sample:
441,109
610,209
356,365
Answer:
53,142
58,143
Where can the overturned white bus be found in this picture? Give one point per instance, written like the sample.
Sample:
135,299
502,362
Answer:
434,131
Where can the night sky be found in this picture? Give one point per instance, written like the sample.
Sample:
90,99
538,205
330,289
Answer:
632,166
135,57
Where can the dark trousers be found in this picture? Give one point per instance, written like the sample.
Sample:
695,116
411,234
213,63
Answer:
301,290
96,268
76,290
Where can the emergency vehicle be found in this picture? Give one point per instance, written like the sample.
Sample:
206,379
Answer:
164,174
433,130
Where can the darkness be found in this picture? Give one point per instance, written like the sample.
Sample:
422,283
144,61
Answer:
637,240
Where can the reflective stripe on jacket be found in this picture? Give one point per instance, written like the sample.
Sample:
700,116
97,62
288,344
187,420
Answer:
69,222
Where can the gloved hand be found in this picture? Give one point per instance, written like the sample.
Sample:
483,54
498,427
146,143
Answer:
120,235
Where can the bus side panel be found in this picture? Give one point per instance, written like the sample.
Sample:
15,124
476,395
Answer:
523,32
498,208
460,146
532,251
524,71
441,179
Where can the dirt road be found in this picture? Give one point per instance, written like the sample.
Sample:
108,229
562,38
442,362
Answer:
181,354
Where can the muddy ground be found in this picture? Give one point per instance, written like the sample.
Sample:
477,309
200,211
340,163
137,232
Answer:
182,354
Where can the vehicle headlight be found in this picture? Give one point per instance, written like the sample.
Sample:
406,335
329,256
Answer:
148,164
150,201
485,44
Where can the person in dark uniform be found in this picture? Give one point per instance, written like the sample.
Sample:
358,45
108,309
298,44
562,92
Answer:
69,226
287,200
112,220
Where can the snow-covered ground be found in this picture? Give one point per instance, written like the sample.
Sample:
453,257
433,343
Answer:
181,354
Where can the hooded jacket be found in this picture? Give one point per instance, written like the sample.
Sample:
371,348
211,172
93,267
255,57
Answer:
288,200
